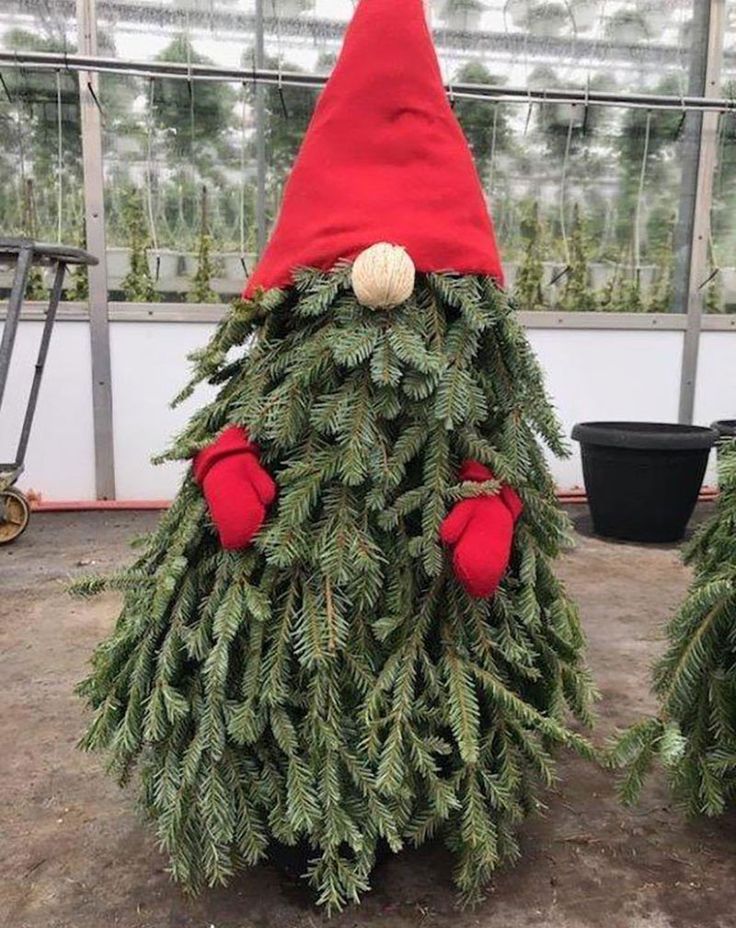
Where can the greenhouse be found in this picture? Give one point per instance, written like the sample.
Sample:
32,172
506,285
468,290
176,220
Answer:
399,337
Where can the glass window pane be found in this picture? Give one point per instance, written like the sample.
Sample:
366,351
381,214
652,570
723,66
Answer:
181,157
41,154
720,292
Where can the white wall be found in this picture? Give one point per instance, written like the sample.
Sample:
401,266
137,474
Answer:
149,367
607,374
591,374
715,389
60,461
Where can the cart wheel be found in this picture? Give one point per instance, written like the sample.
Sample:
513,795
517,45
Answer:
14,515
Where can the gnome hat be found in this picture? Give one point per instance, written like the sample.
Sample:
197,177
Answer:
383,160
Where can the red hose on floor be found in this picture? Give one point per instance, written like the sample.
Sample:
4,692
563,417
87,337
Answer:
707,494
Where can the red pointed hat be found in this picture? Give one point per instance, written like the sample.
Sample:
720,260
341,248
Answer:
383,160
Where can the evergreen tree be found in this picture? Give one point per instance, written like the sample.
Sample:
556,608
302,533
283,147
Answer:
137,285
577,295
35,286
334,684
694,732
528,290
663,290
382,653
202,291
78,288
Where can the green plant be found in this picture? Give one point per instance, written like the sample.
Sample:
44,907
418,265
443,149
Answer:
627,25
528,287
334,684
78,289
663,291
713,301
137,285
35,287
548,18
577,295
195,117
201,290
486,128
694,731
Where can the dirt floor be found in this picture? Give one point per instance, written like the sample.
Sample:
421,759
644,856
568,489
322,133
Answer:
73,853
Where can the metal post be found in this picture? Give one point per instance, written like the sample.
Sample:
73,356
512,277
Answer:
22,270
696,215
43,350
94,202
260,132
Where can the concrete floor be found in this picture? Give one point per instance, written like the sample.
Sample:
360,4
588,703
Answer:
73,853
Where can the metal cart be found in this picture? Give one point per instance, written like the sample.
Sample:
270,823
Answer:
24,253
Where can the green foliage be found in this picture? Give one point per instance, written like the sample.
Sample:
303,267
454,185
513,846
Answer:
577,295
137,284
486,128
201,290
694,735
78,284
334,683
195,115
528,289
663,291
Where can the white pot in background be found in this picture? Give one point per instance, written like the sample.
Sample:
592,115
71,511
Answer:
586,14
519,12
290,8
462,18
168,262
232,265
549,20
118,265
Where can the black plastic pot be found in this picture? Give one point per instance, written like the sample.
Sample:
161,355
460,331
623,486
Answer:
643,478
726,428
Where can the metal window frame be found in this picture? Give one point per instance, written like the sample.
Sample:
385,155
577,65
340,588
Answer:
96,242
695,269
212,313
99,313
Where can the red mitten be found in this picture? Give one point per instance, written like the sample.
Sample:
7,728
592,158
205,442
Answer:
237,489
481,530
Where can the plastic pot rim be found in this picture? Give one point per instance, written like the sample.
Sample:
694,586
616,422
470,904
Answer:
646,436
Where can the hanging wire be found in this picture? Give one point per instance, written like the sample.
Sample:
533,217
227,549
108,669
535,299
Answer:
190,85
640,195
715,264
21,156
280,58
563,190
492,159
243,162
149,181
59,160
721,148
528,112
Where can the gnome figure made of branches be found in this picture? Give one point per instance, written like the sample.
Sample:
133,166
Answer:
345,636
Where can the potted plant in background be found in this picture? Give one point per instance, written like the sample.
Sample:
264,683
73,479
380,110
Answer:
518,10
292,7
463,15
643,478
137,285
577,295
627,26
726,429
201,283
584,14
548,19
528,292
